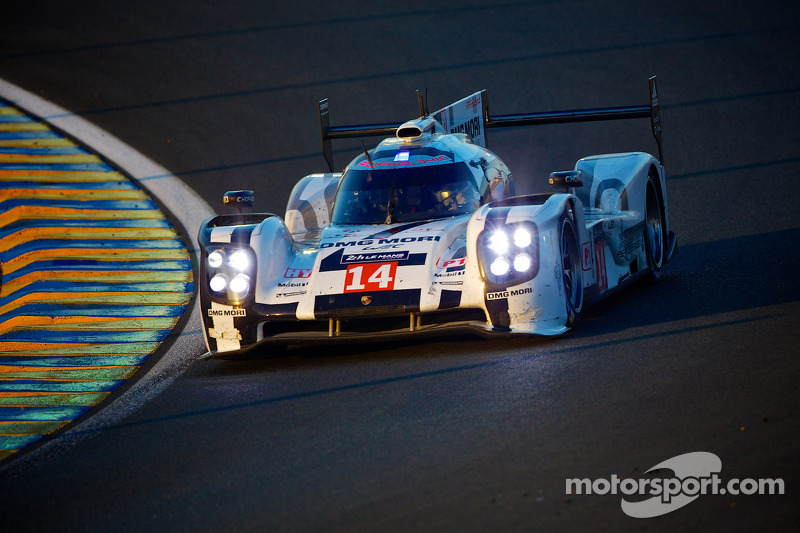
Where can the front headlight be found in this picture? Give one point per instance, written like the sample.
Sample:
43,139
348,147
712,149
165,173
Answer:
522,237
508,254
523,262
215,259
500,266
239,260
240,284
229,273
218,284
498,241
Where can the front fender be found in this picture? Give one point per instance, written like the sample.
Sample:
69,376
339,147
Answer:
272,241
534,305
228,317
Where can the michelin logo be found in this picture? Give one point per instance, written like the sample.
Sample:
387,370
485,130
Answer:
500,295
227,312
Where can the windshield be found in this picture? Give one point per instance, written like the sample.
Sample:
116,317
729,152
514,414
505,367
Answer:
387,196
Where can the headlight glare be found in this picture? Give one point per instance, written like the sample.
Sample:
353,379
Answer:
522,262
240,284
498,242
215,259
508,253
218,283
500,266
239,260
231,272
522,238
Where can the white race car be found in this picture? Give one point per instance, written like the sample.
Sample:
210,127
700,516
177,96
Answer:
424,235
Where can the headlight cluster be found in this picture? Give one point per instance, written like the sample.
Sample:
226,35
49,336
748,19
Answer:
230,273
508,253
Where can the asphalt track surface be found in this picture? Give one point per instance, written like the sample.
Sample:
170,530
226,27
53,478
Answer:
459,434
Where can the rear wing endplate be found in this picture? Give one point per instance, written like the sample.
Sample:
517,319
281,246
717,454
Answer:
471,115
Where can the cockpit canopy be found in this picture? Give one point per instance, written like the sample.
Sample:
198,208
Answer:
404,188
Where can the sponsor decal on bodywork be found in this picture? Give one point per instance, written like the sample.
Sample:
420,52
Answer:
292,285
452,264
464,116
336,260
223,329
226,312
297,273
452,268
407,163
586,256
449,274
381,241
630,241
471,127
374,257
499,295
290,294
600,266
370,277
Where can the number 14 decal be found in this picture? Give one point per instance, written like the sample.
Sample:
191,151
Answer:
370,277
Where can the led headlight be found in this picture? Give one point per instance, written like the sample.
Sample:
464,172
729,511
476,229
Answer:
498,242
218,283
230,273
508,254
215,259
522,237
240,284
239,260
523,262
500,266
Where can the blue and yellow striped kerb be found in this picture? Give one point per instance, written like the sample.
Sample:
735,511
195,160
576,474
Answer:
93,279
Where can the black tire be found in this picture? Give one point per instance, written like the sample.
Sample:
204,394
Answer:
653,230
571,269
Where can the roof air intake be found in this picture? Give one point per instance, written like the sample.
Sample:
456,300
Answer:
414,129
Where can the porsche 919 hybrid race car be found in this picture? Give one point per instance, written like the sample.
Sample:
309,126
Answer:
424,235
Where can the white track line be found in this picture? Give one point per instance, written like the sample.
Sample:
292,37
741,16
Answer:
185,205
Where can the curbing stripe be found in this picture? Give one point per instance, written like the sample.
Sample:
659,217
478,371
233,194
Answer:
52,196
181,201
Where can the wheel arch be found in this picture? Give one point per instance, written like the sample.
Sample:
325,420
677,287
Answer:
660,183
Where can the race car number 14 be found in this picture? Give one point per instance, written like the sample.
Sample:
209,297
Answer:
370,277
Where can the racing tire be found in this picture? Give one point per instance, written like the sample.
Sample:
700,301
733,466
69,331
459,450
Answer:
653,231
571,269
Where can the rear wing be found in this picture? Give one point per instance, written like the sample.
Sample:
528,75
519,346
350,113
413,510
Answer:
471,115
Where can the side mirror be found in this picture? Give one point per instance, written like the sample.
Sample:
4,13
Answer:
566,179
239,201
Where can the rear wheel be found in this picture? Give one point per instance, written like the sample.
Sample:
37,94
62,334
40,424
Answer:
571,271
653,231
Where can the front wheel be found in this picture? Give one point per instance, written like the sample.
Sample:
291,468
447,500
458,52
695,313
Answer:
571,270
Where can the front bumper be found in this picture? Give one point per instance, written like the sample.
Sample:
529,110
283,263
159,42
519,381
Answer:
334,337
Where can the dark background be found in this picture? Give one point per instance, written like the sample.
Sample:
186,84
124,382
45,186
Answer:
458,434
